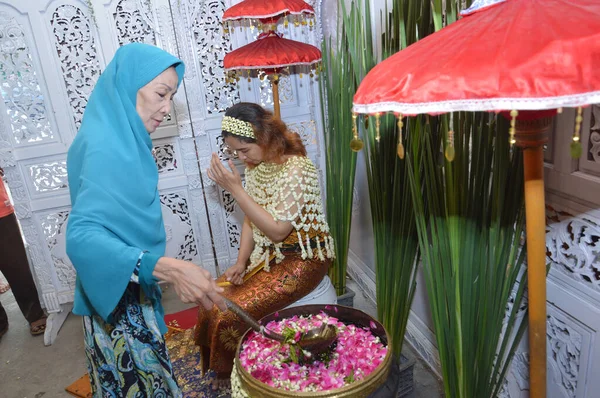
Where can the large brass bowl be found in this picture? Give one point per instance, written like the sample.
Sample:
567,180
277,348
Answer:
359,389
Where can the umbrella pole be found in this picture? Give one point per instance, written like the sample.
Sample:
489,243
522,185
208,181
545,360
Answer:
531,136
276,106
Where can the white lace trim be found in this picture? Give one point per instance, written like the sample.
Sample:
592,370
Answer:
272,15
480,5
474,105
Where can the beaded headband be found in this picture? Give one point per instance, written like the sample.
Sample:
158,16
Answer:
237,127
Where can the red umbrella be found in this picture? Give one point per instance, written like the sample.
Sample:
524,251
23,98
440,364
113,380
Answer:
518,54
513,55
272,53
267,10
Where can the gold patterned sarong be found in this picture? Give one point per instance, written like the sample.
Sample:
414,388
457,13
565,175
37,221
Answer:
218,333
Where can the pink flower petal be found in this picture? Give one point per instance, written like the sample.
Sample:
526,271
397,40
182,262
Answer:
358,353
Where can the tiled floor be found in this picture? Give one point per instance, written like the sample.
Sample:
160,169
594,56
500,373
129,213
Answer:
28,369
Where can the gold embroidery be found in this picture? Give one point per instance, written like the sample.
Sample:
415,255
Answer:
288,284
230,338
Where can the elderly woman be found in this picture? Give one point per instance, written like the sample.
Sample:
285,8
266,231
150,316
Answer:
285,248
115,235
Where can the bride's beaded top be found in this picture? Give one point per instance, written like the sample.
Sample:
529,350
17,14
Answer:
289,192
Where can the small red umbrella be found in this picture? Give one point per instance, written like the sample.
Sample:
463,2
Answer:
272,53
267,11
513,55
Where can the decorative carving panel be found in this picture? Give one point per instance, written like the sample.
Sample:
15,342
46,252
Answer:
7,158
218,222
20,85
516,384
165,158
573,246
307,130
228,202
589,163
234,233
76,49
181,242
131,23
37,252
564,351
221,152
212,46
18,191
54,226
50,176
200,208
511,303
285,91
564,345
233,229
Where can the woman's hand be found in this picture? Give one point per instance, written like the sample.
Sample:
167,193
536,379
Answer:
228,180
235,273
193,284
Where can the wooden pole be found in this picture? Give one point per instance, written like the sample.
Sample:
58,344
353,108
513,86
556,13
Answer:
276,106
531,136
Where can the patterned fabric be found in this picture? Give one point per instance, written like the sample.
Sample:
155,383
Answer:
218,333
478,5
186,360
135,276
128,357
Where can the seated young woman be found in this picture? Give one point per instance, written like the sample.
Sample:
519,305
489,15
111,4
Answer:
285,247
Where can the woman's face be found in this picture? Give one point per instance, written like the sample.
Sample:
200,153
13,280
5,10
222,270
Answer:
251,154
153,101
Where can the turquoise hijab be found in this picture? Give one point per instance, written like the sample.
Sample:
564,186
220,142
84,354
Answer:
116,215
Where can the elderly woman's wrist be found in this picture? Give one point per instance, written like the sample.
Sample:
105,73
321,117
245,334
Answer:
148,263
167,269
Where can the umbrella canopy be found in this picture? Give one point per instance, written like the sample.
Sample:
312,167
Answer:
267,10
516,54
271,51
508,55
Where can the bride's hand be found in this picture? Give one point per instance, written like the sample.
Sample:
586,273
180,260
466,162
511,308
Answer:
226,179
235,274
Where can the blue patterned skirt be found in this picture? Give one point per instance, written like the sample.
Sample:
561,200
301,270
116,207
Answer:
128,358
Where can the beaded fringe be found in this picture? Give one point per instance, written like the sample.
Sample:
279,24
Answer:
289,192
305,248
